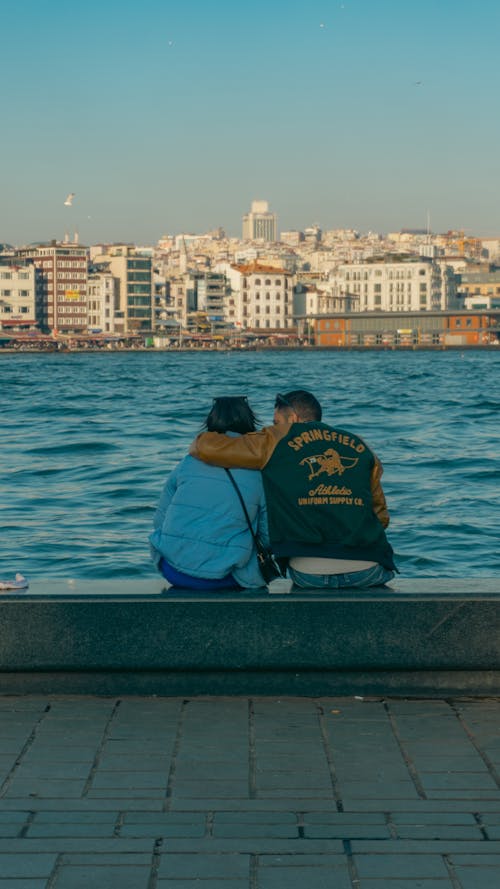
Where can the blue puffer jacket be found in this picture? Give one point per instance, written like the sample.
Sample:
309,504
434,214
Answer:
200,527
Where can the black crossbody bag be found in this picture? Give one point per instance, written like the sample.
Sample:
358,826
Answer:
268,565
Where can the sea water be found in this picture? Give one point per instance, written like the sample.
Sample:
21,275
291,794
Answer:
87,440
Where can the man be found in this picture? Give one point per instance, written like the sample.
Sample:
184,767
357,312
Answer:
326,507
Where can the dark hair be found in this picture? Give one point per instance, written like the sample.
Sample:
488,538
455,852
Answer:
231,413
305,405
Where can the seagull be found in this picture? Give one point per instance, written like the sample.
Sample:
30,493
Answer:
69,200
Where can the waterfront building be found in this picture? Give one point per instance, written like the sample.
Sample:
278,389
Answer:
102,304
480,289
135,291
20,296
405,329
63,270
397,284
260,223
214,298
261,296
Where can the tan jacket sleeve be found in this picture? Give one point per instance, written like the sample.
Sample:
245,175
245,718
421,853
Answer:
250,451
379,502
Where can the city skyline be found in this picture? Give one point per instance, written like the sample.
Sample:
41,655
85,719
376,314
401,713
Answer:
163,120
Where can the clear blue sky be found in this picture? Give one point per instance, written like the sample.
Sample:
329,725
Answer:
165,117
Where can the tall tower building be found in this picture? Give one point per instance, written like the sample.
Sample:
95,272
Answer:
260,223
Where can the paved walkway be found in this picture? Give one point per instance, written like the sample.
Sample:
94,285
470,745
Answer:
231,793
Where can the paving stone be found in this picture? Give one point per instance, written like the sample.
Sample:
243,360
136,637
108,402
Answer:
340,818
347,831
50,771
16,866
297,876
162,829
23,884
439,832
198,883
110,780
138,859
71,817
141,817
427,818
137,763
289,818
247,830
70,830
479,877
399,883
255,846
397,866
457,781
424,847
123,794
36,845
38,787
203,867
125,876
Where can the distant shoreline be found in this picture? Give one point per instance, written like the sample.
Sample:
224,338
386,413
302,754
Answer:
260,348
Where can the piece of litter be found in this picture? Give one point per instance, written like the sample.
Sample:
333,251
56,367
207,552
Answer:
358,698
20,583
335,711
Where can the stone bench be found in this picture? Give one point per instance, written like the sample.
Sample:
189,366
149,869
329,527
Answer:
420,637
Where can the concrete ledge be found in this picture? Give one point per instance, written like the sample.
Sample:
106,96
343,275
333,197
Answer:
414,639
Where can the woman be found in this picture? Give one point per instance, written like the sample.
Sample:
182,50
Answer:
201,538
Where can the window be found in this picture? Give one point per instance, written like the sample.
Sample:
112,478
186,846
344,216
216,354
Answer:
257,282
267,282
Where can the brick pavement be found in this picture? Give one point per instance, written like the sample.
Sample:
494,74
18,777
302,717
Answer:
237,793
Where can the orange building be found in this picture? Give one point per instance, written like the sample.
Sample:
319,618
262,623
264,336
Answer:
400,330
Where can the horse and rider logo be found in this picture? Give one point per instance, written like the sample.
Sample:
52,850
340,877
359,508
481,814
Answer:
330,462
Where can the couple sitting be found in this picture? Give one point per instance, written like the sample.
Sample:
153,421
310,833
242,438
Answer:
317,501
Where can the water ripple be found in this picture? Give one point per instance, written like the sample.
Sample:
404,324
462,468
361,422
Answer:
87,441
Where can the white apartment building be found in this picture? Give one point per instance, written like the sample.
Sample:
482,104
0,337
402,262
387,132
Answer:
261,296
103,314
311,300
404,285
19,297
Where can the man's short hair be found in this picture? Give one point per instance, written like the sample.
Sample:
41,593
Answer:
305,405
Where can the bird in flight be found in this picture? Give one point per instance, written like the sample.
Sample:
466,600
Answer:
69,200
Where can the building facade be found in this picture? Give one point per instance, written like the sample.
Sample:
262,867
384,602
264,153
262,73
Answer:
261,297
135,289
407,329
260,224
103,314
480,290
404,285
20,297
63,271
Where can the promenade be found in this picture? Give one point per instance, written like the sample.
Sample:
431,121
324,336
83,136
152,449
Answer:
249,793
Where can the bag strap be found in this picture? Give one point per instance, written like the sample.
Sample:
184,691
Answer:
236,488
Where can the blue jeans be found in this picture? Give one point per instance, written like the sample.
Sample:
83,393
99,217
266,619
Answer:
187,582
375,576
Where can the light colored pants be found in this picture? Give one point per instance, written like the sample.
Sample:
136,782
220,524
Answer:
375,576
